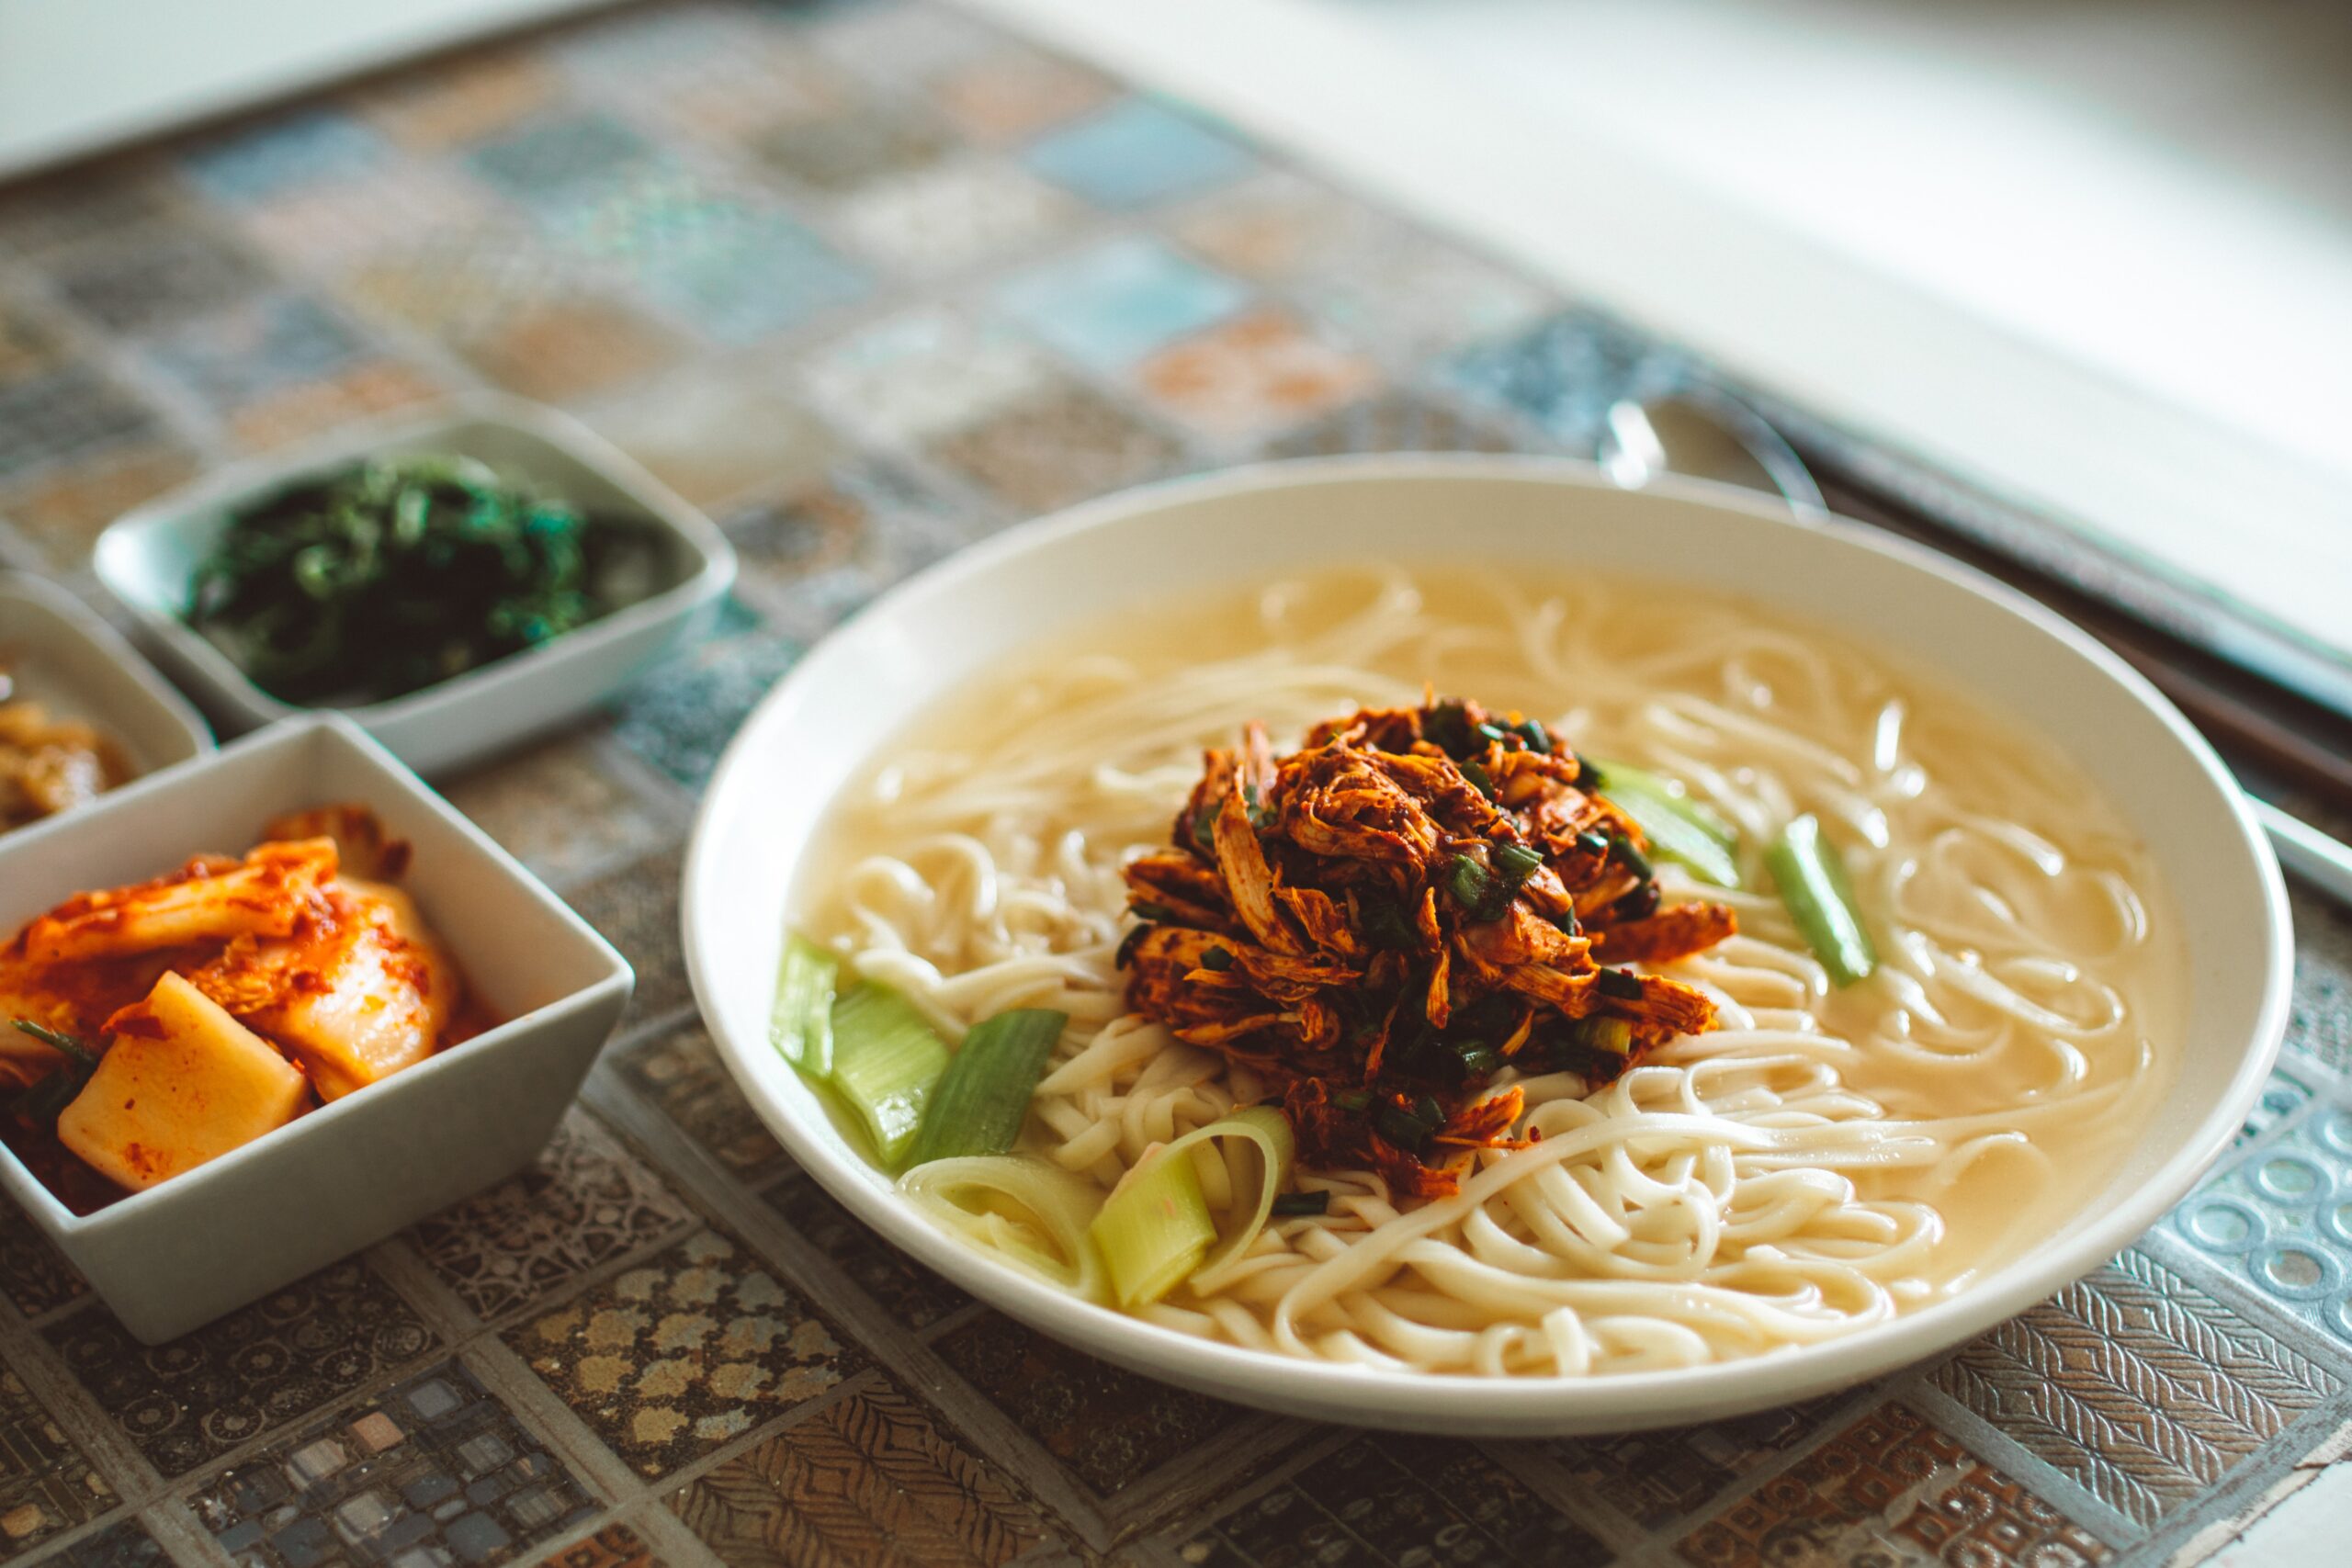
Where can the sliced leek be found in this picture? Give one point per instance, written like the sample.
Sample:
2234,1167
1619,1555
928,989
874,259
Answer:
1811,876
1155,1230
800,1026
981,1101
1028,1213
886,1061
1676,826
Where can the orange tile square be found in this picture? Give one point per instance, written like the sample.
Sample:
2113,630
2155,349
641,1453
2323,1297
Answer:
458,100
314,406
1260,372
66,510
567,349
1004,99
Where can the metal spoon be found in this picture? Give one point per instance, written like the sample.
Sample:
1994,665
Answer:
1711,435
1706,435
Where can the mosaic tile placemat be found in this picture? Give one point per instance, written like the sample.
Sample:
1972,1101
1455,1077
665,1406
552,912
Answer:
869,282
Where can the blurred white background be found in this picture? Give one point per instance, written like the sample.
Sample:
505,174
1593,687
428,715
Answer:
2162,187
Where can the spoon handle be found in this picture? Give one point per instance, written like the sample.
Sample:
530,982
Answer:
2304,850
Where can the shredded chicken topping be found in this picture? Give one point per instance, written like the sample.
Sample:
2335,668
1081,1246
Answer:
1414,905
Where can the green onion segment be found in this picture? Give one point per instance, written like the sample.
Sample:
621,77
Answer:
980,1102
886,1061
801,1024
1676,826
1811,876
1154,1229
1027,1212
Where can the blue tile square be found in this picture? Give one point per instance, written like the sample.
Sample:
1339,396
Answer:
1110,306
1562,373
230,359
646,211
2280,1218
281,155
1135,152
681,716
65,414
739,281
558,158
126,1544
476,1536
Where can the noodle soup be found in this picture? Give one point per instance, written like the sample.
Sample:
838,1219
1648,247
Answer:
1823,1159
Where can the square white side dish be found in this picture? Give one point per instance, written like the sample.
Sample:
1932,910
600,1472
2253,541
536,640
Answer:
58,653
352,1172
149,557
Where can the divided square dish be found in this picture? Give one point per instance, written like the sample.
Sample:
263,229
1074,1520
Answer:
148,559
353,1171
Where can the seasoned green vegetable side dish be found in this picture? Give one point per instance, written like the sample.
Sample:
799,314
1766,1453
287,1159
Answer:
403,572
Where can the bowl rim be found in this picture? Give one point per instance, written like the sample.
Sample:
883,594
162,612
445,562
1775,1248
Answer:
135,531
91,629
396,779
1517,1405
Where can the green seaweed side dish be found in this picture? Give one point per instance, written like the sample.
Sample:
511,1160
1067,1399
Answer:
403,572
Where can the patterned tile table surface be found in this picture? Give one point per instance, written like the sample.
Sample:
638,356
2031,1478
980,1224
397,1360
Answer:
870,281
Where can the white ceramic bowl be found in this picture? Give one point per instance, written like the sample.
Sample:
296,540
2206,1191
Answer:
822,723
348,1174
149,557
58,653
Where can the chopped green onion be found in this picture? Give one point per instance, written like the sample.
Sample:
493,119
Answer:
1447,728
1290,1205
1673,836
1353,1099
978,1104
1467,881
1154,1229
1385,924
1517,862
1479,1059
1127,945
801,1025
42,1103
1593,842
1538,738
1480,780
1265,1128
1401,1127
1471,885
1493,732
1811,877
1145,909
1026,1211
1216,958
1427,1108
60,1041
1625,779
1599,1032
1588,774
1618,983
887,1060
1676,826
1630,856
